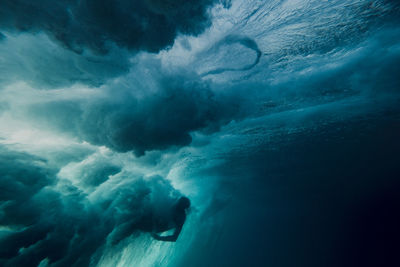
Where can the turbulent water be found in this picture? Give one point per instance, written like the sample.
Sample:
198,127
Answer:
280,120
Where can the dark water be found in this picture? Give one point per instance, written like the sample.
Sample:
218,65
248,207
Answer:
326,198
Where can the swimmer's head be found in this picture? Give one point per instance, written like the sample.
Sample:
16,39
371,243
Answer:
183,203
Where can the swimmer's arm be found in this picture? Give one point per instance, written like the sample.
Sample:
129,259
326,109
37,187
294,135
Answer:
168,238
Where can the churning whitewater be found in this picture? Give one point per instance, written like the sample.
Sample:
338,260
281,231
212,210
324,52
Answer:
199,133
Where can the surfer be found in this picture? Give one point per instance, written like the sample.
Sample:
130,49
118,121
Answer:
178,219
168,218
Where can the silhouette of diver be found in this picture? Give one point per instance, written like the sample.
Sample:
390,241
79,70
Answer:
178,219
174,218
